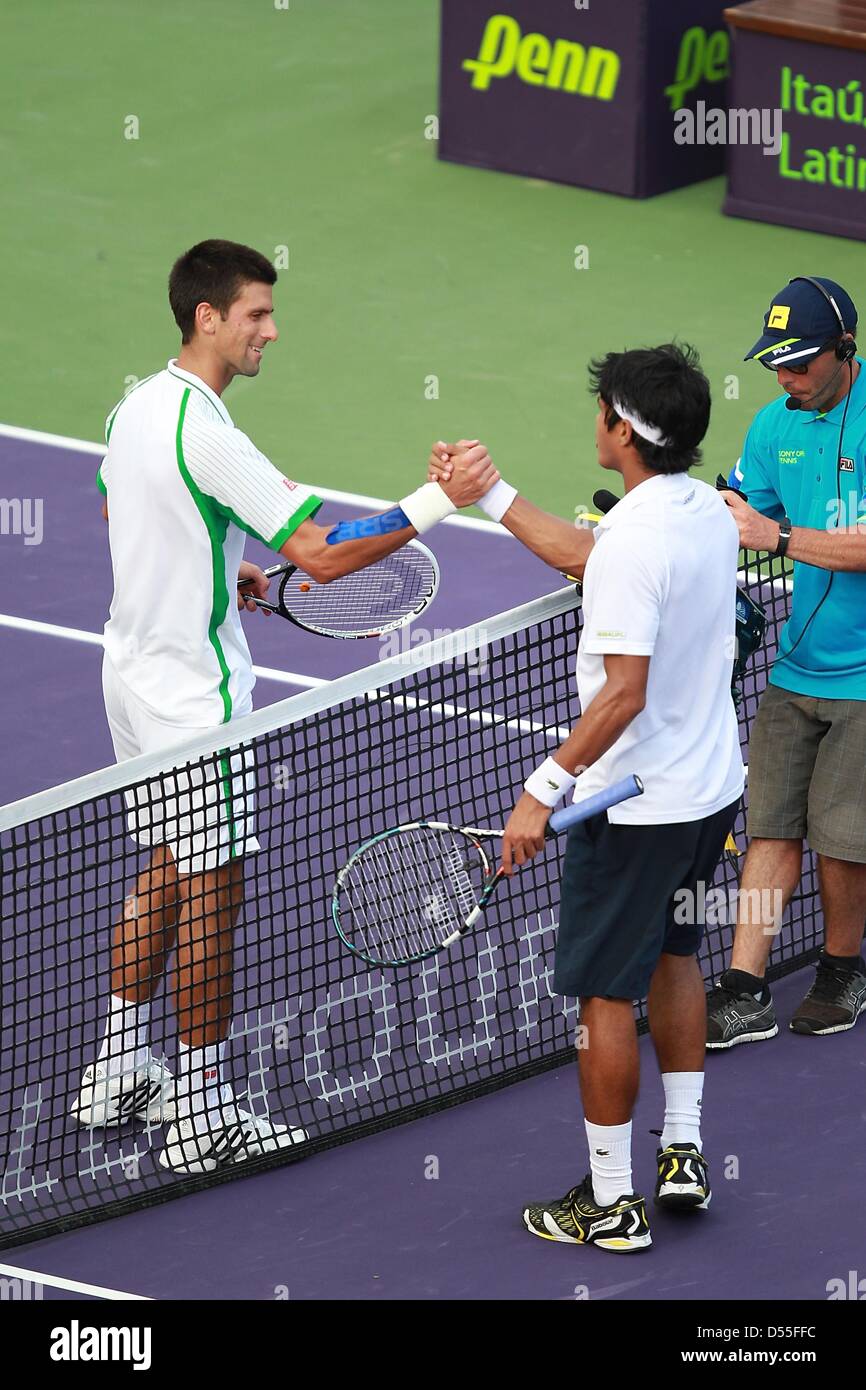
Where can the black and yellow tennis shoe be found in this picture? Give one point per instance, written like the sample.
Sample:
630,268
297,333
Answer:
577,1219
683,1182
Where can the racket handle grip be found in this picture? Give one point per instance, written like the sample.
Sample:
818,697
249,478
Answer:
602,801
270,572
467,926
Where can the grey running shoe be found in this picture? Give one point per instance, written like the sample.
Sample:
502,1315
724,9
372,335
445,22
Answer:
835,1001
735,1016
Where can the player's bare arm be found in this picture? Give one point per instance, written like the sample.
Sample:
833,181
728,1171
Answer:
555,541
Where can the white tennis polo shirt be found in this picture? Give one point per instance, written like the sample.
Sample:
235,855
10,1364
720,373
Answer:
183,485
661,582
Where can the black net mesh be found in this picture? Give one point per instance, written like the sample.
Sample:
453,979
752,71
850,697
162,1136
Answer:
316,1038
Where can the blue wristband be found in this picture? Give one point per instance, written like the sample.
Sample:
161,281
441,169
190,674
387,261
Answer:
382,525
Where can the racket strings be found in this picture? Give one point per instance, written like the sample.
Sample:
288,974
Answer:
380,593
408,892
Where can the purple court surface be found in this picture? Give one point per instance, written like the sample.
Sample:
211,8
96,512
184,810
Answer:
430,1210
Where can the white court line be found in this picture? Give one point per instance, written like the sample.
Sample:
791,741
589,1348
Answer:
328,494
94,639
56,1281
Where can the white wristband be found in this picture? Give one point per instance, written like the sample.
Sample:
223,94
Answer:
497,500
427,506
549,783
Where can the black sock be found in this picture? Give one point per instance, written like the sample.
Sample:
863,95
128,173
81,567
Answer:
744,983
847,962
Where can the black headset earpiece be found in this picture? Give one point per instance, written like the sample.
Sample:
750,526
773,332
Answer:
846,348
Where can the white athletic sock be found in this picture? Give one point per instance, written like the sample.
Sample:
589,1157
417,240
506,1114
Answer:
610,1161
683,1090
199,1080
124,1043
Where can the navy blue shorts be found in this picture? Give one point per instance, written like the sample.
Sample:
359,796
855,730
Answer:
617,904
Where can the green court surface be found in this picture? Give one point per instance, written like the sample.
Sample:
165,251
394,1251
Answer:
305,127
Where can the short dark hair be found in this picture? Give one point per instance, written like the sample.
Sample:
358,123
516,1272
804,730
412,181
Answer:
665,387
213,272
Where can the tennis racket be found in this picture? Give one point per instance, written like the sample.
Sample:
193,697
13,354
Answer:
383,596
419,888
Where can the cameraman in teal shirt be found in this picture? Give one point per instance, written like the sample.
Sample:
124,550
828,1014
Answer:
803,470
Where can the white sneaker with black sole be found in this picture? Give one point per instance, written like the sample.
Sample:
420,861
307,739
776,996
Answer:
145,1092
224,1138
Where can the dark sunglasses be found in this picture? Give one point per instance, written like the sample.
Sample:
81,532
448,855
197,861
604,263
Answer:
800,368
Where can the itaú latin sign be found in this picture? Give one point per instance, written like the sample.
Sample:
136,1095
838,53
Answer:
558,64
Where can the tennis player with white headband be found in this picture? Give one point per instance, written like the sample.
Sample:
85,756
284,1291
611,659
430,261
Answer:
649,432
654,680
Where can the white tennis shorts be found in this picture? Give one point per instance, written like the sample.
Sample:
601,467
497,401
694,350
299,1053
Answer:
204,811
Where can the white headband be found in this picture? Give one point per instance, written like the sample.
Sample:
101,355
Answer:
641,427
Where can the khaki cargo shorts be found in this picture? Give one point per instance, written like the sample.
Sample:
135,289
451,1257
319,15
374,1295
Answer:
807,773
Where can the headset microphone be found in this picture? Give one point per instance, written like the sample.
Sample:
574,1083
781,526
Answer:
792,403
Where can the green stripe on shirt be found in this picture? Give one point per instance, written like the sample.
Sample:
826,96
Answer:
217,526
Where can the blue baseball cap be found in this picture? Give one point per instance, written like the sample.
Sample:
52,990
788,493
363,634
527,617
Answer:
801,321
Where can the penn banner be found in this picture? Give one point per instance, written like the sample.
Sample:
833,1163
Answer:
814,175
582,93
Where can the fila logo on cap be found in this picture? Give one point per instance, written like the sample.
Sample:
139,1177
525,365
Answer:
779,315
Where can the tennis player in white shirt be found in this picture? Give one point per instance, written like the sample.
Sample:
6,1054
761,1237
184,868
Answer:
181,487
654,676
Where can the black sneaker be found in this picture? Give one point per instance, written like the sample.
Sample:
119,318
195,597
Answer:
735,1016
684,1181
835,1001
577,1219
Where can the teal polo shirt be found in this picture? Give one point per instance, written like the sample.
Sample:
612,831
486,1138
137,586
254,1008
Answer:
788,467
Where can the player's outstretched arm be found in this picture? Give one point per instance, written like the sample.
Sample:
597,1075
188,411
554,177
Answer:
329,553
555,541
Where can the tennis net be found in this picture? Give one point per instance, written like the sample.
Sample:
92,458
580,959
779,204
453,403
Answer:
317,1038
